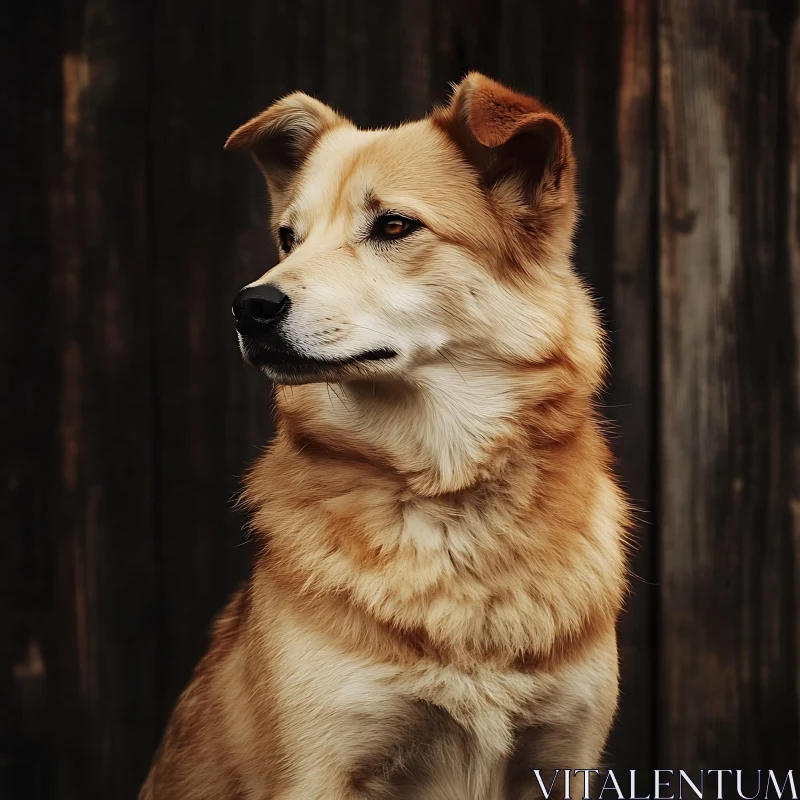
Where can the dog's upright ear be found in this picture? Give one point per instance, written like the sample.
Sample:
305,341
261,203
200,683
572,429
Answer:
281,137
516,143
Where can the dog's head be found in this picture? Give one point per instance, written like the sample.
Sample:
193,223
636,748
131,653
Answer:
447,238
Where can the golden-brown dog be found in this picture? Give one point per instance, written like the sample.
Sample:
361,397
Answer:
432,613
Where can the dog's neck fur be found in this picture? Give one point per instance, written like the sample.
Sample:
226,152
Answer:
448,479
440,433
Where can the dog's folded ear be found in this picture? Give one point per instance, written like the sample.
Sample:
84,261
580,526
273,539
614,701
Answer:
281,137
512,139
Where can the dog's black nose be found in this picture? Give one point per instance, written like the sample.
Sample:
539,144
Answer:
257,307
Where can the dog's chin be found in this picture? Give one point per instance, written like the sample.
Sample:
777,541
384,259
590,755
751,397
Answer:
292,368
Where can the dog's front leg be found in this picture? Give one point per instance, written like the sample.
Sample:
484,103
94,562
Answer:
567,730
545,754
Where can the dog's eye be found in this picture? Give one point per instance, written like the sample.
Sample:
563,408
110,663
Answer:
286,236
393,226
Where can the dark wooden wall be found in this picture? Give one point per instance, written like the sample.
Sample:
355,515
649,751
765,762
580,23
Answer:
125,231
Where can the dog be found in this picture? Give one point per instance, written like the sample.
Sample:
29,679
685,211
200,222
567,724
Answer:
432,610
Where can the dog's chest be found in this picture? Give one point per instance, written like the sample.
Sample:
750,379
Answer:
409,729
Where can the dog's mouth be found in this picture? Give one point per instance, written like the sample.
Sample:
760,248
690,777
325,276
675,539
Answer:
287,364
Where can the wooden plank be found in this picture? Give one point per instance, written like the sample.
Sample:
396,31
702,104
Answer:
603,85
502,40
361,54
30,73
631,396
583,40
211,411
793,248
102,692
728,683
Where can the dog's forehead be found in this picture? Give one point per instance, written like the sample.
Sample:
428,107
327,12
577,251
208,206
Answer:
414,161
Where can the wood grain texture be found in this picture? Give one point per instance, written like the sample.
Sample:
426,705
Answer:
631,395
728,650
210,411
793,249
101,666
30,72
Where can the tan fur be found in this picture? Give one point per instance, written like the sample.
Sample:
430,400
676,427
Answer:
432,611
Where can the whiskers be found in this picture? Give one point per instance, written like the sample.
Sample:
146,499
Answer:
443,353
330,388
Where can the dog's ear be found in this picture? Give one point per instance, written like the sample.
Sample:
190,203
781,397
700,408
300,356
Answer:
512,139
281,137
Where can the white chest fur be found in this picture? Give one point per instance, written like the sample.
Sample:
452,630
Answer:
346,713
